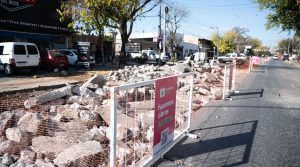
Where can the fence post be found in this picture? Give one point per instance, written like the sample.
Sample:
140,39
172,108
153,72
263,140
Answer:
234,75
191,100
250,65
113,127
224,82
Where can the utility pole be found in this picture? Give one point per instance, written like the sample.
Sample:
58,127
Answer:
159,33
165,30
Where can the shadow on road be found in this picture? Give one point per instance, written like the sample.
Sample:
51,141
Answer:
279,67
247,94
225,145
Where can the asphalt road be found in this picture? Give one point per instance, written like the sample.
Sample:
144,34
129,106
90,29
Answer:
259,127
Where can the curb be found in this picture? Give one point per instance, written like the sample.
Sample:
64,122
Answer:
38,88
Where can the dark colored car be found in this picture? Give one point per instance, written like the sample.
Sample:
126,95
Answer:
51,59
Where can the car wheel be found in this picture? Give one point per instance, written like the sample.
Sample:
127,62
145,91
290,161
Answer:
221,61
8,70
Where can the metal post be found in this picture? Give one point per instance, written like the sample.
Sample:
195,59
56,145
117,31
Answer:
159,34
249,69
165,31
234,75
113,127
191,100
224,82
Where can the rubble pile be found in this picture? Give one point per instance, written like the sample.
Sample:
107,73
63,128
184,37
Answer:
70,126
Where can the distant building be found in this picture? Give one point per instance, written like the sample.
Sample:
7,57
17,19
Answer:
33,21
188,44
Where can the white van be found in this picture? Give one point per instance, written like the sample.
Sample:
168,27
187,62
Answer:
18,55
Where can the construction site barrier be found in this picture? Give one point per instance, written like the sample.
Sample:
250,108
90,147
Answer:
257,61
148,118
229,80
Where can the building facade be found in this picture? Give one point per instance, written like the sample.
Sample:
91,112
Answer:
33,21
188,44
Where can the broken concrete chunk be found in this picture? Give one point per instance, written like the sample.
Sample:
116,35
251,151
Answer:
91,118
7,159
10,147
124,151
181,68
93,87
27,156
96,79
81,154
31,122
209,77
50,146
71,131
41,163
69,113
100,92
49,96
85,92
99,134
7,120
21,137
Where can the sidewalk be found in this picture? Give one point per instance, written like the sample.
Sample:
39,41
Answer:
16,83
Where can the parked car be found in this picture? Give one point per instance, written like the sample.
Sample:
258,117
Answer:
51,59
275,57
18,55
139,57
77,59
200,57
230,56
154,56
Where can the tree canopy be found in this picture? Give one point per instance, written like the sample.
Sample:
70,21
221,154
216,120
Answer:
284,14
89,15
235,40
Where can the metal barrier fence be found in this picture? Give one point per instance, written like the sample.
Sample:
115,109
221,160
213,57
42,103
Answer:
229,80
257,61
148,118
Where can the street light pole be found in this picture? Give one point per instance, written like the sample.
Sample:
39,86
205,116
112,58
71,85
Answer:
165,31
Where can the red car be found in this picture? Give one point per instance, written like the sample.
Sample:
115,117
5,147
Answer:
51,59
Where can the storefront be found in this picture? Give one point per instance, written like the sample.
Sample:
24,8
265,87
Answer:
33,21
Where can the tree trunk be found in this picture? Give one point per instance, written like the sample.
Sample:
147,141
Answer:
124,38
102,52
101,37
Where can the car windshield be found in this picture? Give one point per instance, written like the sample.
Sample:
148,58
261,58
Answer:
56,53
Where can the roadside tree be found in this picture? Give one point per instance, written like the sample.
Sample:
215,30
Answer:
96,15
176,15
285,14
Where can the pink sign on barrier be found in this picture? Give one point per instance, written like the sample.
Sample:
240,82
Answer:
255,60
164,116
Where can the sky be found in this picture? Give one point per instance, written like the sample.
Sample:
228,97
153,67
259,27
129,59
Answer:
207,16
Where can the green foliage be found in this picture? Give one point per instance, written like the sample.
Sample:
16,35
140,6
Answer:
285,14
228,41
95,15
254,43
287,45
225,43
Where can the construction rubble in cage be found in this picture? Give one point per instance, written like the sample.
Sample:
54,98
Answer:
70,126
